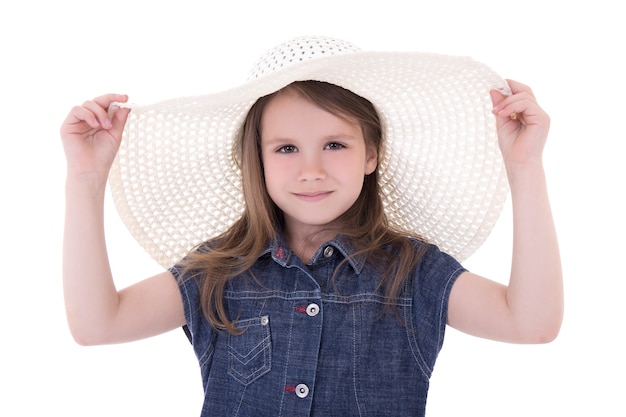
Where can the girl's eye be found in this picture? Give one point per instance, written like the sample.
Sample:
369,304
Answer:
287,149
334,146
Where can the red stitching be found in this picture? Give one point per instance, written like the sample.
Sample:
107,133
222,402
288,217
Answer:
290,388
301,309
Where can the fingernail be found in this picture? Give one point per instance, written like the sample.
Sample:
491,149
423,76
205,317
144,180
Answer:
108,124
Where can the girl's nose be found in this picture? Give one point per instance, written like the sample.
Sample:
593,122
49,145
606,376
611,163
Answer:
311,168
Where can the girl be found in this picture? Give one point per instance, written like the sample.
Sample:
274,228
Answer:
315,300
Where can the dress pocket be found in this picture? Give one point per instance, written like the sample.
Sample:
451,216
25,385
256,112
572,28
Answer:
250,352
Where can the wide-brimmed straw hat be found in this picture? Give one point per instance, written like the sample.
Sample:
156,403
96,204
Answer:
176,181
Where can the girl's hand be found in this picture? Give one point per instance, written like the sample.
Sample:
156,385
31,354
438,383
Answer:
522,125
91,136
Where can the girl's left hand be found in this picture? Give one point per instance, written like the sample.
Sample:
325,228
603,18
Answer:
522,125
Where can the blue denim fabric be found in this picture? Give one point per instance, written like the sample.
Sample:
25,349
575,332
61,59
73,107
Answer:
312,346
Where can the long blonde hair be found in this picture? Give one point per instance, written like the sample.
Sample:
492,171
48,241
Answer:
365,223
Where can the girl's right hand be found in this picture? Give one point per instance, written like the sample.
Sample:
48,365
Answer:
91,137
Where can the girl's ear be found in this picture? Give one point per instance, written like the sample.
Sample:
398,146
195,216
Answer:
371,160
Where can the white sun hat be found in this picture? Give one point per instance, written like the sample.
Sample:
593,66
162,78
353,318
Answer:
176,182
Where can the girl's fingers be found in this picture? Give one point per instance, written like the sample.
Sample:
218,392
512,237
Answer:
496,97
103,103
78,116
95,112
95,115
512,106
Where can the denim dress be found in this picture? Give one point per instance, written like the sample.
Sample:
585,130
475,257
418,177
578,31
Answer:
314,345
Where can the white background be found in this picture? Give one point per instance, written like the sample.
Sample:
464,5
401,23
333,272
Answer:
56,54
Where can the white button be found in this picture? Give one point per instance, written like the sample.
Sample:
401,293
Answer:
302,390
328,251
312,309
265,320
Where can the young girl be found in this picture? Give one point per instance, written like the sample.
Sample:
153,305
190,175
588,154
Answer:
318,298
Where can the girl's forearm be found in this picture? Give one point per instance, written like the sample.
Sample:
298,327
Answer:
535,293
91,298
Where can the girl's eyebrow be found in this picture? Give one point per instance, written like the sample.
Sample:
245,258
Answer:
276,141
342,136
289,139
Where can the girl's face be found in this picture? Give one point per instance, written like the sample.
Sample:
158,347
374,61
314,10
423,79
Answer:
314,162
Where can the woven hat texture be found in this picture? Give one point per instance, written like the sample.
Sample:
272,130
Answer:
176,183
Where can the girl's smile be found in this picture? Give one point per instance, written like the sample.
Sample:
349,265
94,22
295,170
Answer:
314,196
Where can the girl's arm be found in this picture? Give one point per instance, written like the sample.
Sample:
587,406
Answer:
97,313
530,308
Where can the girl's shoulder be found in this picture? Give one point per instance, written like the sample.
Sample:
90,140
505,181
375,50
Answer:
428,255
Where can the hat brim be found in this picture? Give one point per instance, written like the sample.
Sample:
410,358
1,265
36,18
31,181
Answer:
175,181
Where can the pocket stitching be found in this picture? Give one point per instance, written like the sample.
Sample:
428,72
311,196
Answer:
237,363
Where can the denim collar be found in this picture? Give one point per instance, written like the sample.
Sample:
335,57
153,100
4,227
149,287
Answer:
283,255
